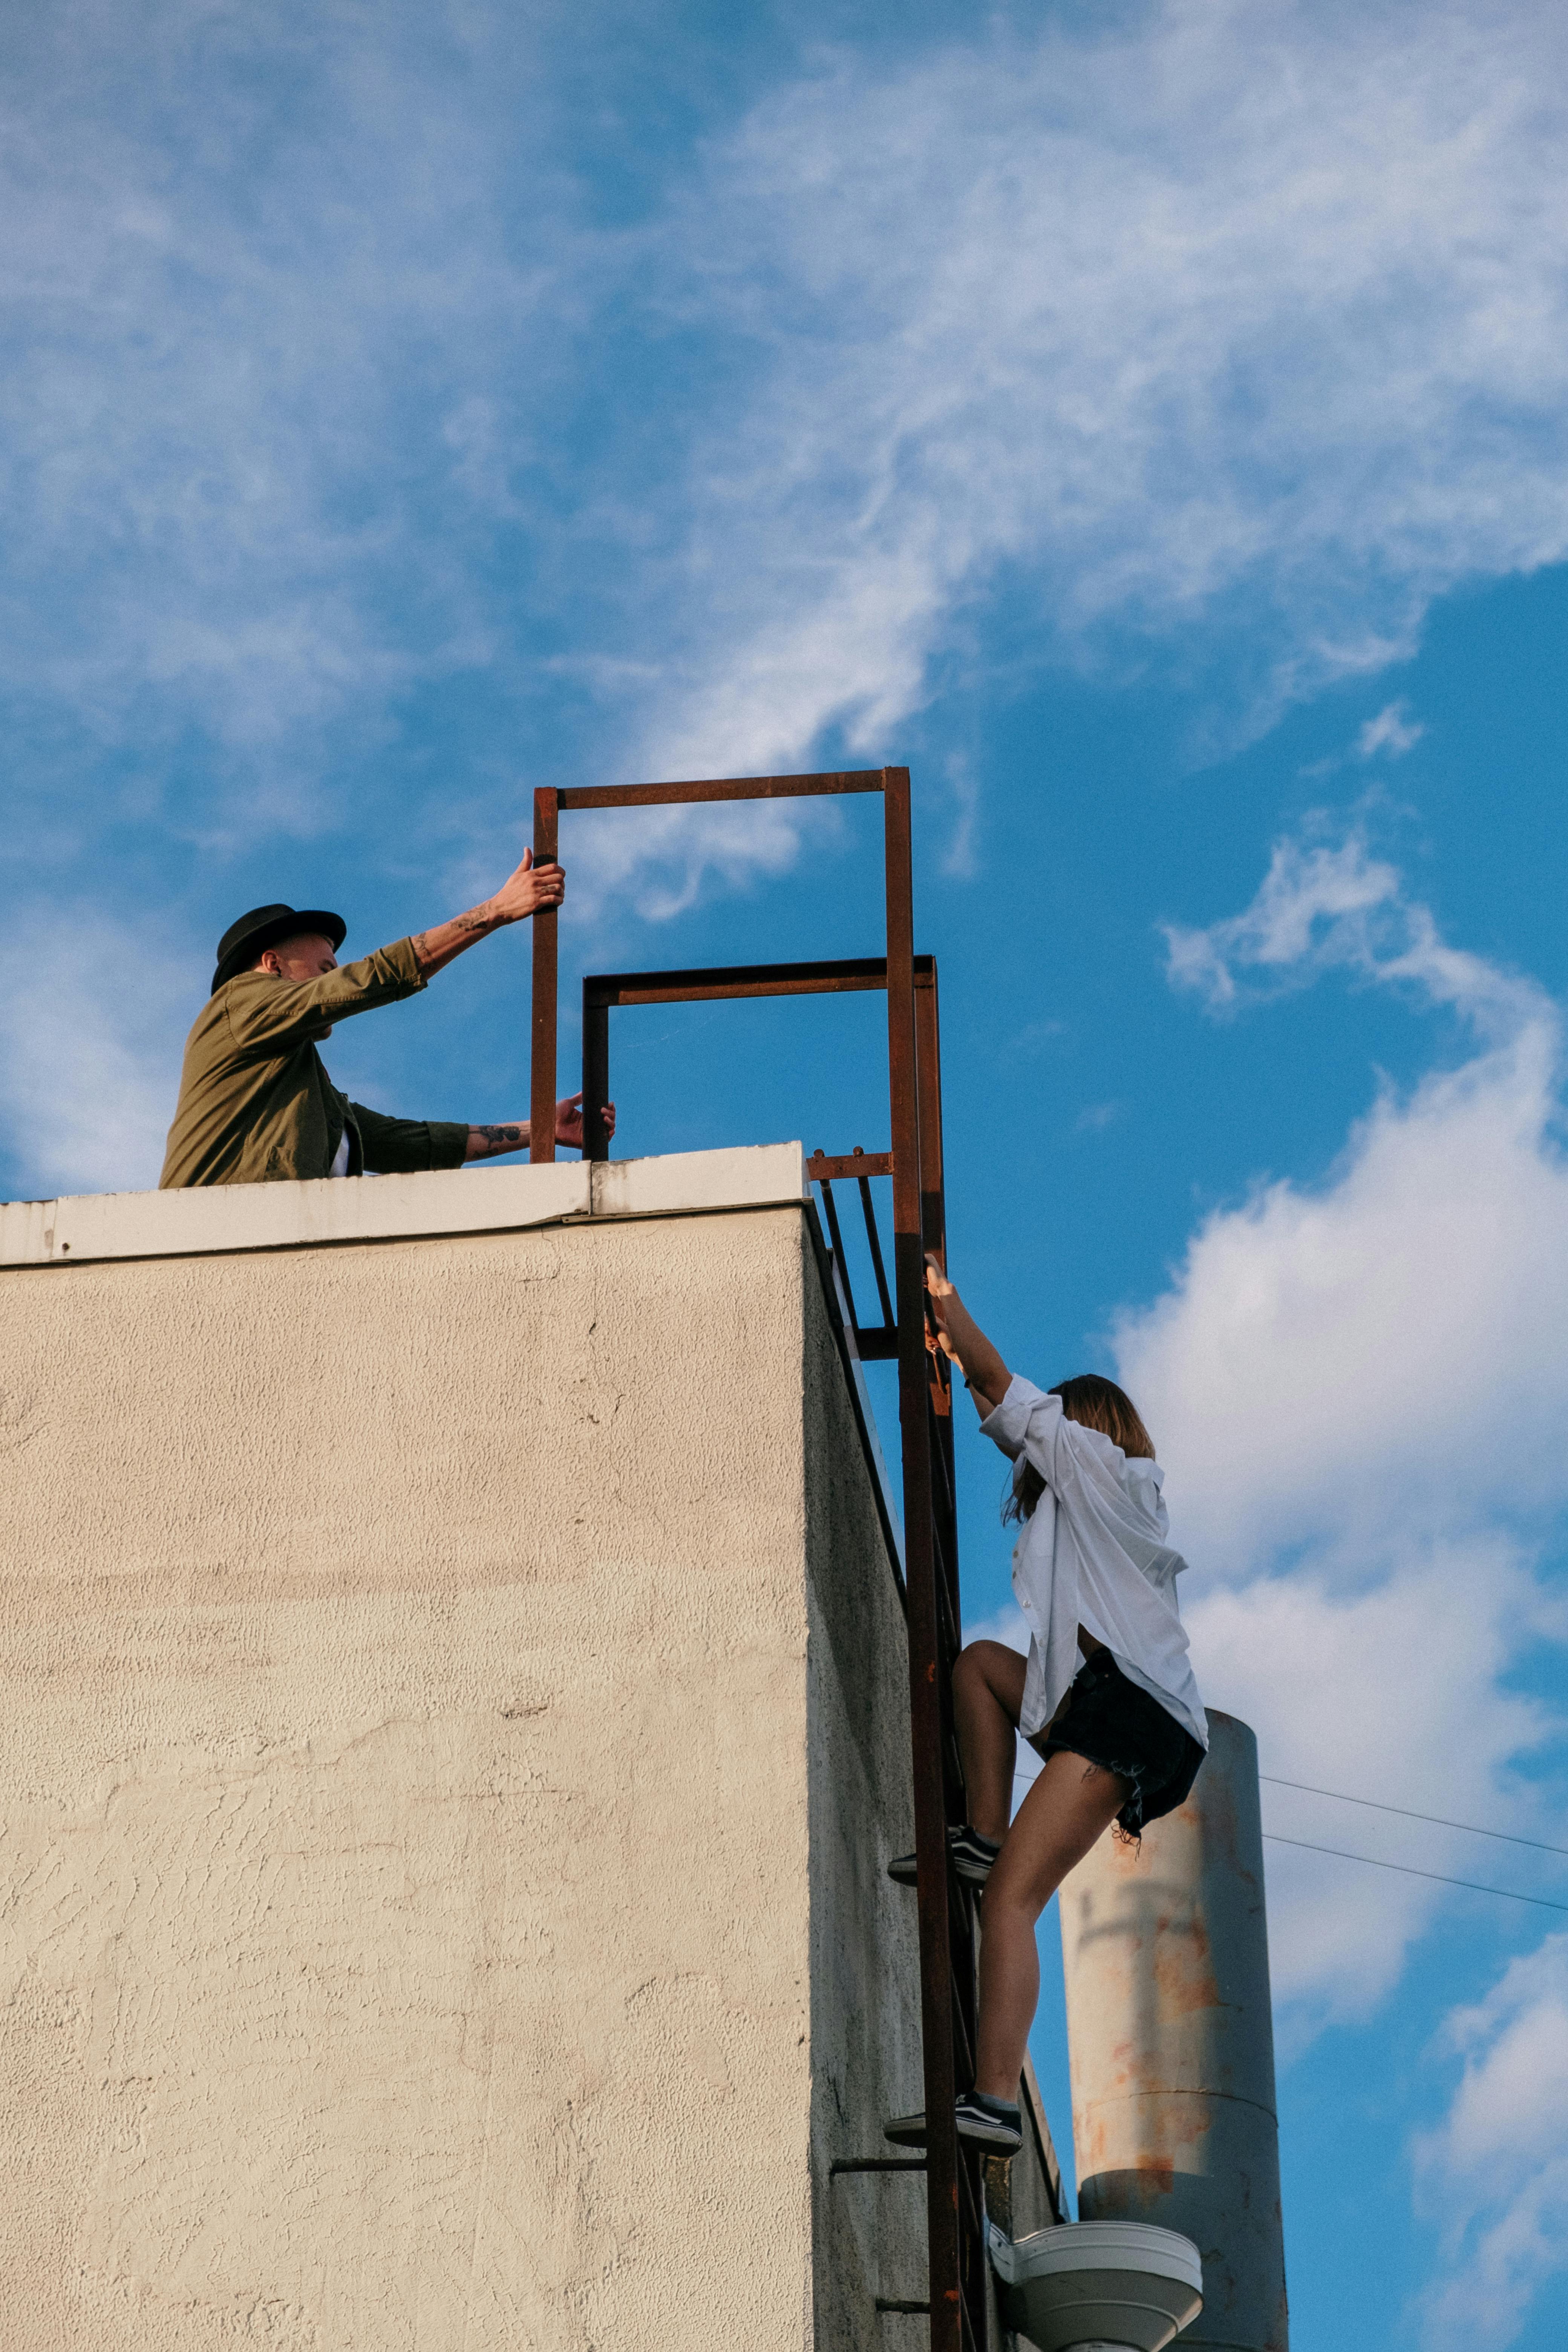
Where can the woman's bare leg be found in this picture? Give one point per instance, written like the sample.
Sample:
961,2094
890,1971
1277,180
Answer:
987,1698
1070,1805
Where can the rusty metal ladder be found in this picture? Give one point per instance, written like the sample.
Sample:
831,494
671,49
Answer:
948,1940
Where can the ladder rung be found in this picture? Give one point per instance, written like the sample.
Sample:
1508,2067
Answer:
875,2164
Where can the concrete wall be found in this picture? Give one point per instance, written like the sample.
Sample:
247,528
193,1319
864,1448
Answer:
457,1722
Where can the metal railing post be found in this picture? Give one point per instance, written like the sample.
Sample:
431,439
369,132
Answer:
595,1071
542,1080
928,1052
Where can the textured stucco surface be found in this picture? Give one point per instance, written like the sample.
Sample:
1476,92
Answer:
433,1671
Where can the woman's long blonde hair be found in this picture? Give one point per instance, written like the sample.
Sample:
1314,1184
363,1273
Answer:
1096,1403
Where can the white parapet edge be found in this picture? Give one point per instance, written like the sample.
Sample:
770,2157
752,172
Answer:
202,1220
750,1176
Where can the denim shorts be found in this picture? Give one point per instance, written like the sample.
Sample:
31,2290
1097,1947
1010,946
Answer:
1114,1723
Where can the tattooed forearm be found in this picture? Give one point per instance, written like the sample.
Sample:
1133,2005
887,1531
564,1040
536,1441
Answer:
433,949
486,1142
531,890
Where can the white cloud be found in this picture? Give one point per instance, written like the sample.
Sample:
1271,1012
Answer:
1219,306
1386,1345
1497,2169
1096,1116
1034,1038
662,860
1357,1388
1314,909
1214,311
1392,730
287,441
1360,1690
251,331
93,1018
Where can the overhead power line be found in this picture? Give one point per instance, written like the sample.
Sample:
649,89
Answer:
1472,1886
1438,1819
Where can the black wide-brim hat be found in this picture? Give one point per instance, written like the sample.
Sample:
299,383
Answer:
263,927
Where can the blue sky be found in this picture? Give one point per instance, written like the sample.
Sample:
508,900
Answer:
1148,423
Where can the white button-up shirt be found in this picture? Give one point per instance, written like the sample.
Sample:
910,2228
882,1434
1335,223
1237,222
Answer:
1093,1553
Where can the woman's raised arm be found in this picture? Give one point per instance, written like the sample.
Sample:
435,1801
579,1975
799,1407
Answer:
961,1338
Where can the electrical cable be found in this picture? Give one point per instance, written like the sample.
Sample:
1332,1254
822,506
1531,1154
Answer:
1468,1827
1472,1886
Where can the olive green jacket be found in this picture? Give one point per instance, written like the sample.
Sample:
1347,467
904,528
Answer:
256,1103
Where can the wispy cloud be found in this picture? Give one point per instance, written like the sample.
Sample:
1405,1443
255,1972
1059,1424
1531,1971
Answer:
1393,731
1034,1037
268,343
1327,905
330,389
1495,2171
1097,1117
1227,307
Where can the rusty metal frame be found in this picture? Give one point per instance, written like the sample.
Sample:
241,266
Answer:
948,1940
703,985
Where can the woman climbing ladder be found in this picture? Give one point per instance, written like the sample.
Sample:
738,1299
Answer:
1106,1695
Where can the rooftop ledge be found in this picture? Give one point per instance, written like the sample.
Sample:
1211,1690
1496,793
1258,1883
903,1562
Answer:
210,1219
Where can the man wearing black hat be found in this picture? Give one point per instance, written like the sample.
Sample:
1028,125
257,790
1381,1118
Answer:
256,1103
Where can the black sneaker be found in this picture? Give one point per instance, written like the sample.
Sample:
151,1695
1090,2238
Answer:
992,2124
972,1856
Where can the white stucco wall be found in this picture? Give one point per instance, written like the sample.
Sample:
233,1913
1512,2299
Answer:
455,1711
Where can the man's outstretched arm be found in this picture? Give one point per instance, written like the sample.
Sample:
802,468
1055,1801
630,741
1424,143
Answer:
397,1147
489,1142
532,890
